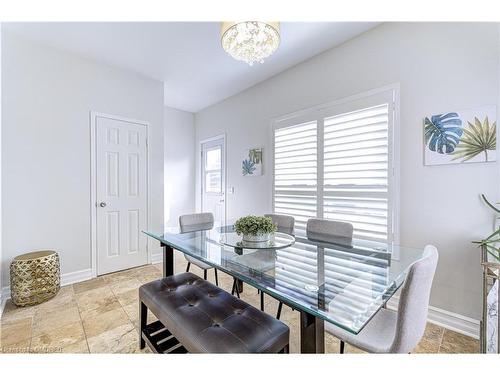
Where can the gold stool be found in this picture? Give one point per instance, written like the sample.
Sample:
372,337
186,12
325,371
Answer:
34,277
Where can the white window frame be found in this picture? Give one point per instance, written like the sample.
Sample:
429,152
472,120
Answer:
319,112
206,171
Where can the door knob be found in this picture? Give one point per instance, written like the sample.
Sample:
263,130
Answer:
102,204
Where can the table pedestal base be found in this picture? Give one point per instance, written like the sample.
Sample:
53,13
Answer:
312,334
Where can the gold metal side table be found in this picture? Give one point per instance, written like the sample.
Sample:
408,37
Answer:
490,323
34,277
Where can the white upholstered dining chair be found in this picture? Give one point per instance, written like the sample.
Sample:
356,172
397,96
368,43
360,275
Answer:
285,223
200,221
328,230
397,331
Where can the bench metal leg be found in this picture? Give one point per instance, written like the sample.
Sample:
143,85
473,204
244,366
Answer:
216,277
143,317
342,347
261,301
204,274
189,265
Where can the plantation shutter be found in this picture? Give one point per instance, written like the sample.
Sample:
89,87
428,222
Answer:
295,172
356,166
337,162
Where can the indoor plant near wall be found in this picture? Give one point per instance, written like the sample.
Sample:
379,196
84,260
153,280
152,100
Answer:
492,242
255,228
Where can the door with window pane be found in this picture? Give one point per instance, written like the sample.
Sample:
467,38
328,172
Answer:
213,178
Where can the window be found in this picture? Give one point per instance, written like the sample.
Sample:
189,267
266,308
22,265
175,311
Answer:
295,172
213,173
336,162
355,158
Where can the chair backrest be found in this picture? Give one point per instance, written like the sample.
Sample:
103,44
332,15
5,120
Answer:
328,230
285,223
192,222
414,302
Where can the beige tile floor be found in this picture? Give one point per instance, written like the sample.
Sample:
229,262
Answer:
101,316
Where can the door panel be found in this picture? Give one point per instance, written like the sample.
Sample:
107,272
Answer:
121,163
213,179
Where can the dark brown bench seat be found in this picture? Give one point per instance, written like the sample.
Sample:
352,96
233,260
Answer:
196,316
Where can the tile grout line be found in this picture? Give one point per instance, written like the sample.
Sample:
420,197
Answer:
125,312
441,341
81,321
107,285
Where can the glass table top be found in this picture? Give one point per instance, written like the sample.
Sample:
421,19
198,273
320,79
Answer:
343,282
278,241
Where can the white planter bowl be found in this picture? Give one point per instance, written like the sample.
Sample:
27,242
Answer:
259,238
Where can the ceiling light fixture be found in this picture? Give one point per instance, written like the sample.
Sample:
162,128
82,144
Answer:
250,41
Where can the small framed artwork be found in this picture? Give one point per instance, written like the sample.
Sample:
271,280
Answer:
252,162
464,136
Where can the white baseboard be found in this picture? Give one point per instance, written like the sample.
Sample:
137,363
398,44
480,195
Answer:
66,279
156,258
76,277
447,319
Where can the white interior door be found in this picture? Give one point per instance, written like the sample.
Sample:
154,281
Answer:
213,179
121,192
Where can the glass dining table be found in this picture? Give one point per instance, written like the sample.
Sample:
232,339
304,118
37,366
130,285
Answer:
342,281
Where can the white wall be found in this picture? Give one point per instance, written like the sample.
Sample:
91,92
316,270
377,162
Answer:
1,273
179,164
440,67
47,98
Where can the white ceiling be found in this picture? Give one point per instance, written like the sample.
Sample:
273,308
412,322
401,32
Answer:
187,56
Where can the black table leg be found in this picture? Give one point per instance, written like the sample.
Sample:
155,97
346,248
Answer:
168,260
312,334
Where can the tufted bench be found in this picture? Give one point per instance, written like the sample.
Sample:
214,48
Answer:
195,316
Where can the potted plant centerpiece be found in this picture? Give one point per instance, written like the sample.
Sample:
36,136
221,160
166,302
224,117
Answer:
255,228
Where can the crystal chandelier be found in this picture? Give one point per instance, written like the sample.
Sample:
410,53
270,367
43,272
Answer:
250,41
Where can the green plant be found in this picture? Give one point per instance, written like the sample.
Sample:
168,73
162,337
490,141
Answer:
491,243
478,138
254,225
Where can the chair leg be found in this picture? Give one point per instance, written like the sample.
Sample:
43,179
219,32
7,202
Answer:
261,300
216,277
342,347
143,316
235,288
278,314
189,265
205,274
